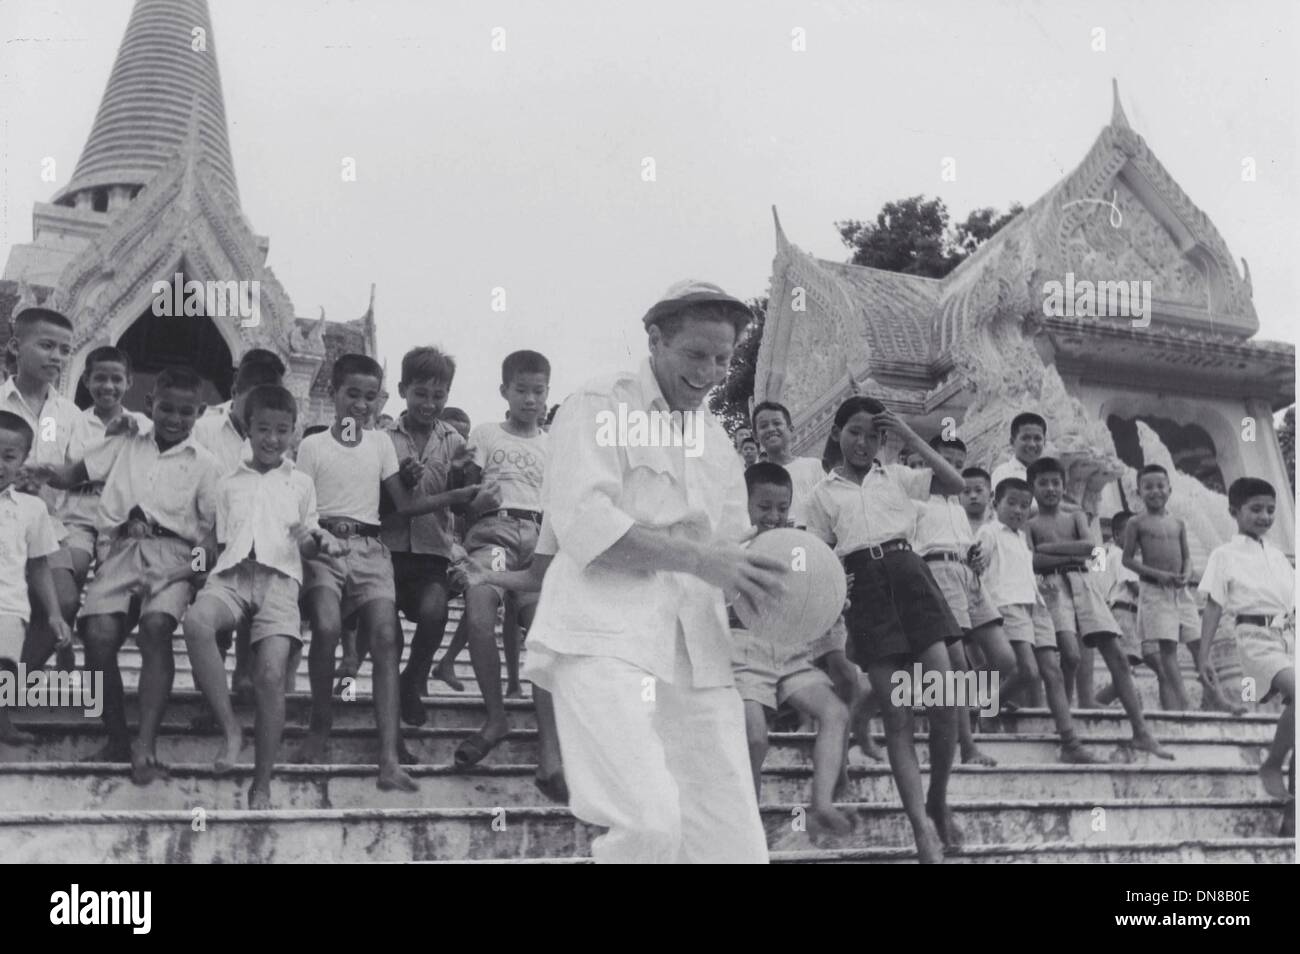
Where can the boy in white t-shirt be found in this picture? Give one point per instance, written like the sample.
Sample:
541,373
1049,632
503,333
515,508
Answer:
1253,580
26,540
510,459
348,464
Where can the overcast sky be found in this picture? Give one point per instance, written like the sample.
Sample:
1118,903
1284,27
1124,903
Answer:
522,169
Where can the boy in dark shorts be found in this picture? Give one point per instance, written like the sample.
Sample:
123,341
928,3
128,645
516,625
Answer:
897,614
1062,543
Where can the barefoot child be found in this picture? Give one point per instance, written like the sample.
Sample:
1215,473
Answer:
158,510
1155,548
265,523
1009,579
897,615
1253,580
1062,542
26,541
1120,584
445,670
348,463
769,675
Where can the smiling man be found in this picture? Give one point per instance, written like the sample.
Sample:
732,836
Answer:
631,632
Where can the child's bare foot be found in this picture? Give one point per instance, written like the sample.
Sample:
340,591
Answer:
10,735
841,791
950,835
113,751
929,846
1147,743
514,692
1274,781
228,755
449,677
412,709
394,778
313,750
1074,753
829,820
973,756
259,799
404,756
145,767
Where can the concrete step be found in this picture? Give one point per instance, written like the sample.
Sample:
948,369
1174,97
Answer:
75,740
363,684
72,787
388,835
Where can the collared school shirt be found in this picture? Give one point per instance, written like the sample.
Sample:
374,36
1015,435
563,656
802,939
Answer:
431,532
595,489
176,488
1249,576
941,525
57,426
1009,577
255,512
805,474
81,508
216,431
1009,468
26,533
851,517
1116,575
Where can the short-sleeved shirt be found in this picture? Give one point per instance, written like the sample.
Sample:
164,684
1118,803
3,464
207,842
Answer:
26,533
851,516
1009,468
57,427
81,508
347,478
175,488
805,474
216,431
515,464
1249,576
1114,578
431,532
941,526
255,512
1008,579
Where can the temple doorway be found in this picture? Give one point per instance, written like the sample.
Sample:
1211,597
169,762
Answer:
1190,446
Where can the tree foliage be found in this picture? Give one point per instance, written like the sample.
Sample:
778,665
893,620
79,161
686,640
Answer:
1286,437
730,400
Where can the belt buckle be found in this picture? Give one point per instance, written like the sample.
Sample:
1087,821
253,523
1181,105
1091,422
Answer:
346,528
503,514
876,551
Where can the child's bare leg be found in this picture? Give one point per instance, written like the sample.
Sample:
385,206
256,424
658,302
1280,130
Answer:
756,738
1000,657
1270,770
103,635
965,737
821,703
9,733
1067,645
1173,675
271,655
323,611
510,643
1049,668
203,621
431,622
1083,678
157,670
242,680
1031,681
377,620
445,671
291,666
351,661
901,745
943,747
67,587
1108,646
481,612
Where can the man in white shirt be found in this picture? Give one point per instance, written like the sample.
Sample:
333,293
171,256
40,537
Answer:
631,633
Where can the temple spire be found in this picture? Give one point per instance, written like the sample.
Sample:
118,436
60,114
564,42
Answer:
1117,117
781,240
164,81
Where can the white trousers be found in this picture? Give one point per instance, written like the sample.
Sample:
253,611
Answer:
664,767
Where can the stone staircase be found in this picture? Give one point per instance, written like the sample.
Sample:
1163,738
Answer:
1206,806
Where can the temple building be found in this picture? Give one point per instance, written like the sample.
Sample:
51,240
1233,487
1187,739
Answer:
154,199
1185,384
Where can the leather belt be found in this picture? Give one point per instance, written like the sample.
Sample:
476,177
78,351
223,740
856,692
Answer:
1253,619
517,513
145,528
945,556
342,527
1124,605
1062,570
876,551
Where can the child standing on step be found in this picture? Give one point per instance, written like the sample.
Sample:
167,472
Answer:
1253,580
897,615
26,541
1062,545
265,523
1120,585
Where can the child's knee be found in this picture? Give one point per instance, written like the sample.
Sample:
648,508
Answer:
1049,667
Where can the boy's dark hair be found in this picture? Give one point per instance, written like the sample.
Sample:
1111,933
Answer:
856,405
956,443
550,415
748,440
1152,469
255,374
1118,521
270,397
29,318
178,378
454,414
353,363
14,424
671,323
1027,417
1008,484
524,362
973,472
1243,488
263,356
1044,465
766,472
427,363
315,429
770,406
107,354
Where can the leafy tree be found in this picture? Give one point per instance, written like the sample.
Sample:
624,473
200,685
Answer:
730,400
1286,437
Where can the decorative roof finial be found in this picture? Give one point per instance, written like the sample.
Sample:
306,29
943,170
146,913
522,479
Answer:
781,240
1245,279
1117,117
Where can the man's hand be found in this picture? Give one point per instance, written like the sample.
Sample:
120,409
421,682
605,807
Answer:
329,544
742,573
976,560
122,424
62,632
